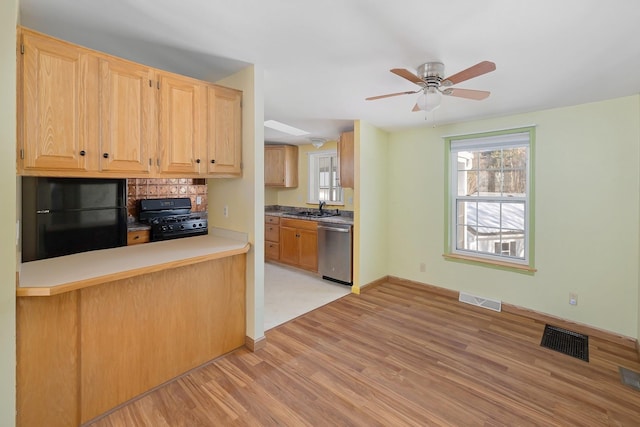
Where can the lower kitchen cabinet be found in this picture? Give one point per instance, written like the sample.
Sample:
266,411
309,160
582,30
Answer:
138,236
272,237
299,243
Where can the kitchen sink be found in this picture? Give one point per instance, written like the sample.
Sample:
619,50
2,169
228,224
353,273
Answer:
313,214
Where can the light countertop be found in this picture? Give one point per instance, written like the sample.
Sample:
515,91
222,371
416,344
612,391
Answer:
63,274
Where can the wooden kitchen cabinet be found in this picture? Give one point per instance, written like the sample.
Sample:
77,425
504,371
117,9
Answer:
136,237
346,159
86,113
299,243
281,166
129,131
57,106
272,237
224,140
182,119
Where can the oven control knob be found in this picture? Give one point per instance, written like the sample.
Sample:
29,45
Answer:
182,227
163,228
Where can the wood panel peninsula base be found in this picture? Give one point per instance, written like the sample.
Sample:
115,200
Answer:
82,352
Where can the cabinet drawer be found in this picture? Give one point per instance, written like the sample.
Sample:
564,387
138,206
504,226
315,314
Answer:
272,233
269,219
272,250
138,236
299,223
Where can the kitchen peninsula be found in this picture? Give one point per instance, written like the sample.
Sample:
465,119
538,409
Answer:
96,329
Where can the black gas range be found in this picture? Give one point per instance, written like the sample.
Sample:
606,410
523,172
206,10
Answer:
172,218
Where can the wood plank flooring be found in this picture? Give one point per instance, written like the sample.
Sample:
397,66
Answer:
398,355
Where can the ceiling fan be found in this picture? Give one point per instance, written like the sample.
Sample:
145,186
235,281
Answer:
430,78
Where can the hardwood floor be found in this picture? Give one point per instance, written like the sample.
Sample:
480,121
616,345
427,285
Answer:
398,355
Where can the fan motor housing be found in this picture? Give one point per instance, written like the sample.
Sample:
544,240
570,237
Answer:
432,73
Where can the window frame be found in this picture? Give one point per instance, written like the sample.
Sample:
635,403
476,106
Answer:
451,199
313,190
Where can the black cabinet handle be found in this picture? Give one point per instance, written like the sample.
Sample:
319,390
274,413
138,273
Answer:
105,155
213,161
82,152
197,160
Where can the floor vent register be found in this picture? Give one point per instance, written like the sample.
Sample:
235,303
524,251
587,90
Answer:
568,342
630,378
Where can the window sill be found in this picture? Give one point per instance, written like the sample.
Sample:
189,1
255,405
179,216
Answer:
512,266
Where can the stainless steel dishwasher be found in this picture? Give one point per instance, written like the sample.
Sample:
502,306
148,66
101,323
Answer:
335,253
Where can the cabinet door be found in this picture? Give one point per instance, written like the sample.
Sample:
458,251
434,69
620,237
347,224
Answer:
57,98
224,153
346,157
127,116
281,166
182,124
308,244
289,247
273,166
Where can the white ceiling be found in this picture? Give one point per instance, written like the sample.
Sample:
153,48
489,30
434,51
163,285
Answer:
321,59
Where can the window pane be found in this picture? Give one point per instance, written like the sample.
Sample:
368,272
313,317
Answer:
467,183
489,159
490,183
515,183
513,217
515,158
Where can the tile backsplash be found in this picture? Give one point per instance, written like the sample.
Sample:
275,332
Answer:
156,188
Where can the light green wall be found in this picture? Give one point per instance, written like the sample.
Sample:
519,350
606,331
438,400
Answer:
587,214
372,207
298,196
244,196
8,215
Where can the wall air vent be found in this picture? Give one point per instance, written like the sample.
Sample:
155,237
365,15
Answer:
491,304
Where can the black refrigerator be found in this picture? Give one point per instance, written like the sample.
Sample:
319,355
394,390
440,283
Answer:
63,216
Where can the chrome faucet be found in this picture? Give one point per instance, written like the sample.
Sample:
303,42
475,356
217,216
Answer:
321,205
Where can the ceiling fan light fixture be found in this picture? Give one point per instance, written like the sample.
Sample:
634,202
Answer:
429,100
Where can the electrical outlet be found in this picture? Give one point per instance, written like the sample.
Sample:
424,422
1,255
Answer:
423,267
198,200
225,211
573,298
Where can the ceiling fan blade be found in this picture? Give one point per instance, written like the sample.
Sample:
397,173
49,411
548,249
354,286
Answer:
479,69
371,98
408,75
467,93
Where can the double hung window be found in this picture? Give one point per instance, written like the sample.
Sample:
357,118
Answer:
489,196
323,178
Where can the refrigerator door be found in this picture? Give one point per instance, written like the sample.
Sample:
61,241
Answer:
63,216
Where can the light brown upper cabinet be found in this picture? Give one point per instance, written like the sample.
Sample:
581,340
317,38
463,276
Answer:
281,166
224,148
56,131
128,131
345,159
183,115
86,113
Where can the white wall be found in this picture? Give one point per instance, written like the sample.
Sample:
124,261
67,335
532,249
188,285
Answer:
371,208
8,215
586,217
245,196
